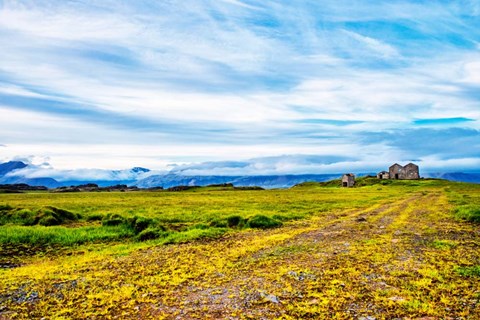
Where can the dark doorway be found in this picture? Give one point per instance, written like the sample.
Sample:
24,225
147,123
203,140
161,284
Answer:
345,184
396,176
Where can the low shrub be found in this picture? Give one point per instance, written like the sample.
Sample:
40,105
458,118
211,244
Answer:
62,214
218,223
23,217
5,207
112,222
138,224
234,221
94,217
48,221
263,222
151,234
142,224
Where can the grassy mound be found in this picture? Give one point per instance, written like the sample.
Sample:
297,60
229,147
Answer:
46,216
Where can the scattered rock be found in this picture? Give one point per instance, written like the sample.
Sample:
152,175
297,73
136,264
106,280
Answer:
269,297
300,276
396,299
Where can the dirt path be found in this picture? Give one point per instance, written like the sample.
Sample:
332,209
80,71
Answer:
380,263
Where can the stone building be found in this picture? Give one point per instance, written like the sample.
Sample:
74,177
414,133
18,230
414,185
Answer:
395,171
348,180
408,172
411,172
383,175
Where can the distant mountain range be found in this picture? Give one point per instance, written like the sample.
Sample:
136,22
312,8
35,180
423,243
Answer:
268,182
456,176
15,172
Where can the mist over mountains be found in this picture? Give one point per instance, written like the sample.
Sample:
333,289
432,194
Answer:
15,172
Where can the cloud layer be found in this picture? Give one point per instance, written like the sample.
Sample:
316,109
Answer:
149,83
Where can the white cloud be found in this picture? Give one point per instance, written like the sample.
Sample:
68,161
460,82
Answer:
241,4
378,47
209,80
472,72
64,23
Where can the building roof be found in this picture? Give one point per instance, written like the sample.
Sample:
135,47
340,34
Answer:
396,164
411,165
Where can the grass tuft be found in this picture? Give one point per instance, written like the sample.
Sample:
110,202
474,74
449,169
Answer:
473,271
470,213
263,222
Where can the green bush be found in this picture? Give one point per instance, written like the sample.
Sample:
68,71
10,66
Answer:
48,221
142,224
95,217
46,216
234,221
218,223
149,234
263,222
138,224
23,217
62,214
5,207
112,222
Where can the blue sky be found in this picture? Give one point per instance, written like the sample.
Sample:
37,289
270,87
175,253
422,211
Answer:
279,86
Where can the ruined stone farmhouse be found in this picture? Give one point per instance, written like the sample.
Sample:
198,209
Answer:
348,180
398,172
383,175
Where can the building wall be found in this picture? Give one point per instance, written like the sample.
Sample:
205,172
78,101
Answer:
348,181
411,172
396,172
383,175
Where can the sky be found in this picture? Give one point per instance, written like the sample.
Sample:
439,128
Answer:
240,86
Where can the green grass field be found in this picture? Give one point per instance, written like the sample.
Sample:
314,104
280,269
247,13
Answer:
403,249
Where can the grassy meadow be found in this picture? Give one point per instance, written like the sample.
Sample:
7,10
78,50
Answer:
384,249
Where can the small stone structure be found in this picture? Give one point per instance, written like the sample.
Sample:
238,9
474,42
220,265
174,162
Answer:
398,172
383,175
348,180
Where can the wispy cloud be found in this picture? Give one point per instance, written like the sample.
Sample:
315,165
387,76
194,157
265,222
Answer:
199,81
379,48
442,121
